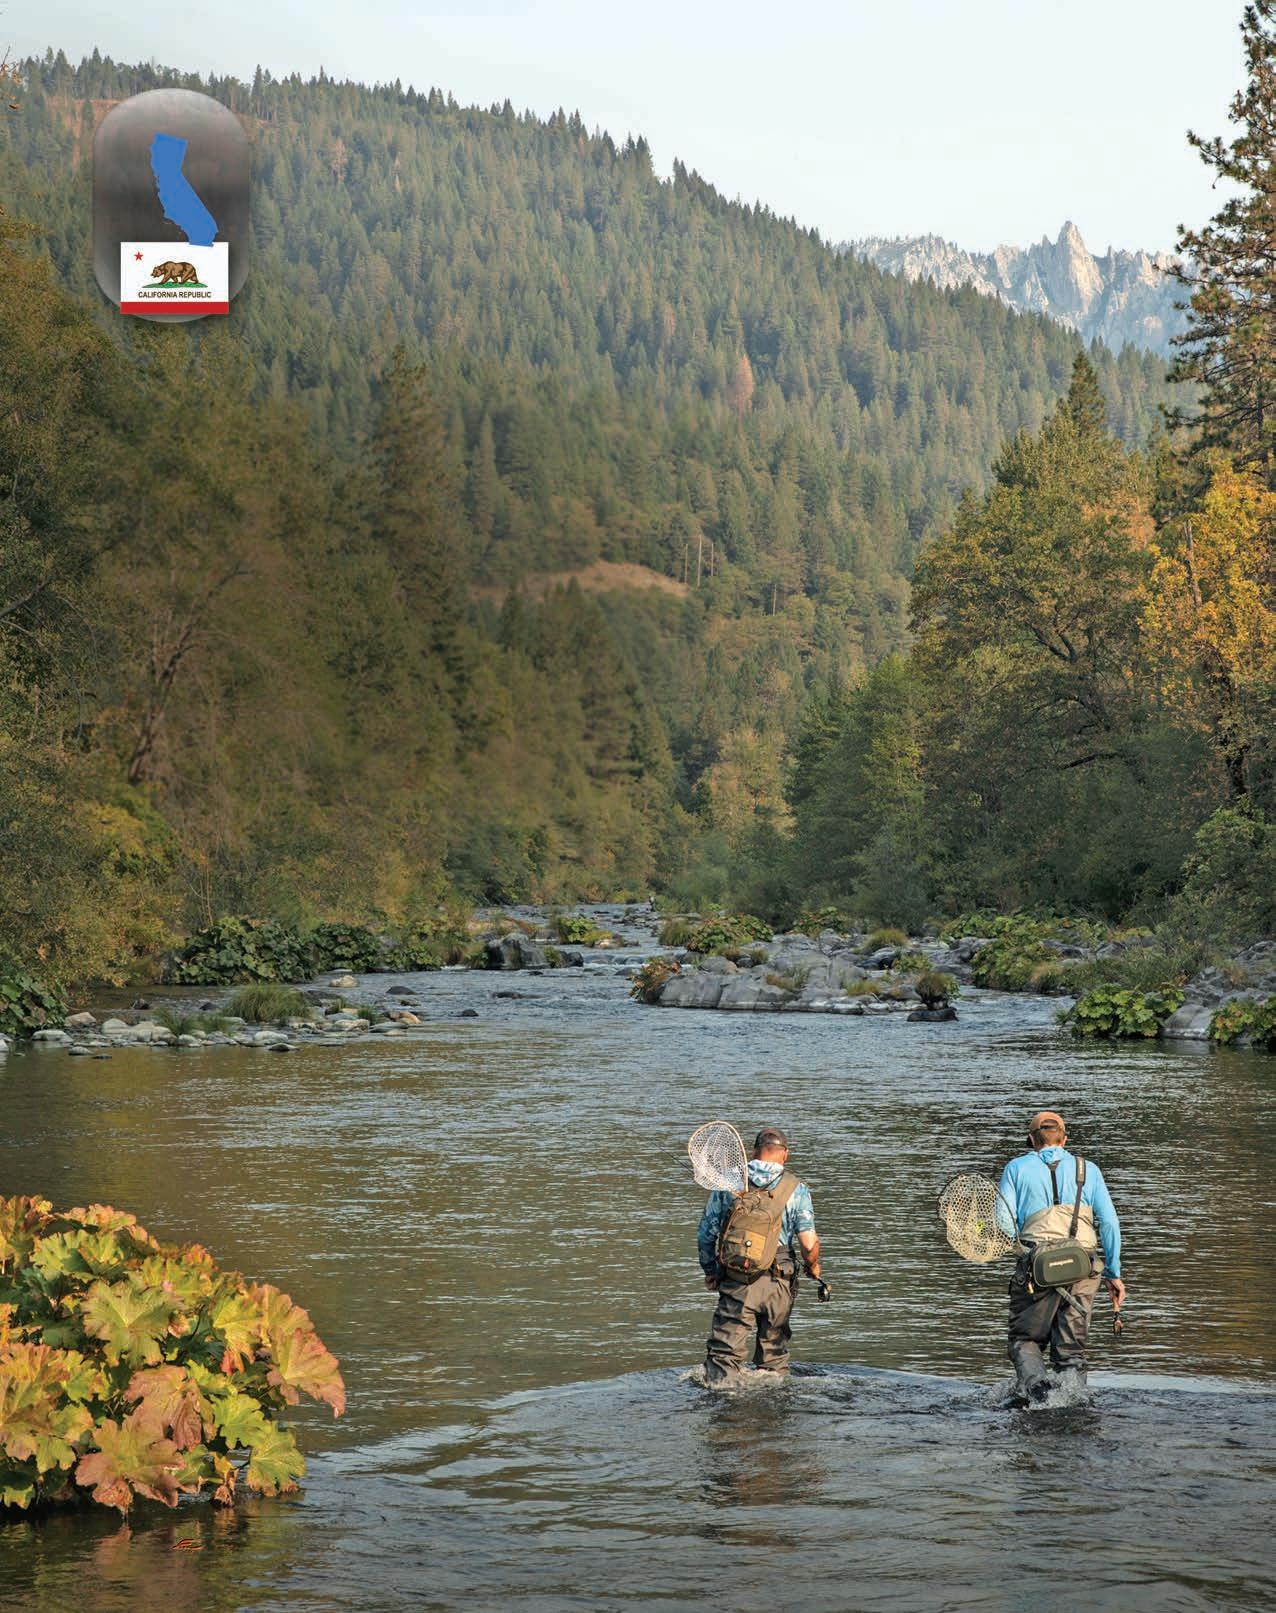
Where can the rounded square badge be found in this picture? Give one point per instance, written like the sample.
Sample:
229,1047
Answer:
170,205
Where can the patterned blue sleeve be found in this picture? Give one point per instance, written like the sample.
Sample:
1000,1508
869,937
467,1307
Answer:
799,1213
711,1223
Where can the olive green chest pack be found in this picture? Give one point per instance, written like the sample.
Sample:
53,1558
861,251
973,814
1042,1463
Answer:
750,1240
1060,1262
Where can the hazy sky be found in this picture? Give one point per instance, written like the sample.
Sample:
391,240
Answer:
980,120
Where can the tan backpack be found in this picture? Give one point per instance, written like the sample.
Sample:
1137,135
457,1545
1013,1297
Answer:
750,1241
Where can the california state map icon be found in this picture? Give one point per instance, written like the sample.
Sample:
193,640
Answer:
170,205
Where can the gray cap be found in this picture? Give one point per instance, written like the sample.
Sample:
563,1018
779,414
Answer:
770,1137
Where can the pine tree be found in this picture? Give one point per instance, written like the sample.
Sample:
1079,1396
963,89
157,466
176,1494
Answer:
1230,268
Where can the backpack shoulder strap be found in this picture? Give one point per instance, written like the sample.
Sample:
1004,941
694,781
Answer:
783,1191
1052,1165
1076,1205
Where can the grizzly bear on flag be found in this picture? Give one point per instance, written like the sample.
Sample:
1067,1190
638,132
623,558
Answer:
175,274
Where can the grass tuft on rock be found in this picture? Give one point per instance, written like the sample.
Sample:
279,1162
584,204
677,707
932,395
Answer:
186,1024
268,1003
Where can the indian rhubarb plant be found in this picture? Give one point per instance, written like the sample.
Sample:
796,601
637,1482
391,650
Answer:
133,1368
1118,1011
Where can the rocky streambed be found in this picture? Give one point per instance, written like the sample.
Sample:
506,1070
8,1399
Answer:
834,973
827,974
1248,976
793,972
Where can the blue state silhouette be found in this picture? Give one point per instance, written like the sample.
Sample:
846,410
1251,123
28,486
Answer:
177,195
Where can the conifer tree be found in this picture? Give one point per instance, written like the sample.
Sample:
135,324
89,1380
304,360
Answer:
1229,345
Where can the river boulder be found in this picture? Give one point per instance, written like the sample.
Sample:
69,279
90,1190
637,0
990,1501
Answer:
1190,1023
694,988
514,951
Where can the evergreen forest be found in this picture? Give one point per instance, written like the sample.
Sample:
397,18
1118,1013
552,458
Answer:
540,528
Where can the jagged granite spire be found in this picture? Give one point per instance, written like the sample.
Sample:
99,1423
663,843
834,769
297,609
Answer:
1119,297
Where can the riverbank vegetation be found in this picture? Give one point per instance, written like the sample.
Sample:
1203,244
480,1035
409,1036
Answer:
539,529
131,1368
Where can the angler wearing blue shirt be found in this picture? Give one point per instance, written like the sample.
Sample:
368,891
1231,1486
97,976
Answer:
1041,1207
750,1245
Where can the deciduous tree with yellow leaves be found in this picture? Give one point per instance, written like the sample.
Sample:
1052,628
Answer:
1210,619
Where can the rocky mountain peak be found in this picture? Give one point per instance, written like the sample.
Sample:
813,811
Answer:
1120,297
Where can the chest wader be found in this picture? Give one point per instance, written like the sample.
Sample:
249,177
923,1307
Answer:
756,1285
1051,1294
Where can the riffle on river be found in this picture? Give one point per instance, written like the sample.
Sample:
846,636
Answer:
492,1223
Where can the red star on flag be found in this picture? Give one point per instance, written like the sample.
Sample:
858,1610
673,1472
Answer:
137,257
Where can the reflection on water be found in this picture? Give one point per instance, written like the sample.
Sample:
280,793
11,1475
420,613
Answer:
493,1225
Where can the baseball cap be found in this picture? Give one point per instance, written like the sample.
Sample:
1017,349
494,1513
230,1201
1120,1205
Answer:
1046,1117
770,1137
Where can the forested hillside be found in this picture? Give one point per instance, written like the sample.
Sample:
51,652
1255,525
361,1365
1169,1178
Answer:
474,348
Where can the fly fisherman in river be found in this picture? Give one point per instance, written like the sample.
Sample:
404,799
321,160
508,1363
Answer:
1064,1216
750,1246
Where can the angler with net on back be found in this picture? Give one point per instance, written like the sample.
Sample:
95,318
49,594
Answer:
1067,1225
750,1244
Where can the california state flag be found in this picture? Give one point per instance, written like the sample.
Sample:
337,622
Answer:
161,277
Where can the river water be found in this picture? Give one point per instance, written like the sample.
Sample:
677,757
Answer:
492,1222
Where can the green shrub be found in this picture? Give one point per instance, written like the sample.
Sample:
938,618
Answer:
864,988
238,949
184,1024
1230,888
268,1004
416,950
345,946
980,922
648,983
729,930
935,988
553,957
1246,1016
133,1368
574,929
1053,976
910,962
26,1003
676,932
814,921
1118,1011
888,936
1172,962
1016,948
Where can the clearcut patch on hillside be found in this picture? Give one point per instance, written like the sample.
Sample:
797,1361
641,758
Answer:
599,577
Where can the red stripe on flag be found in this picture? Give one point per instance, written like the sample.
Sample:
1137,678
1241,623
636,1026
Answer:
170,307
